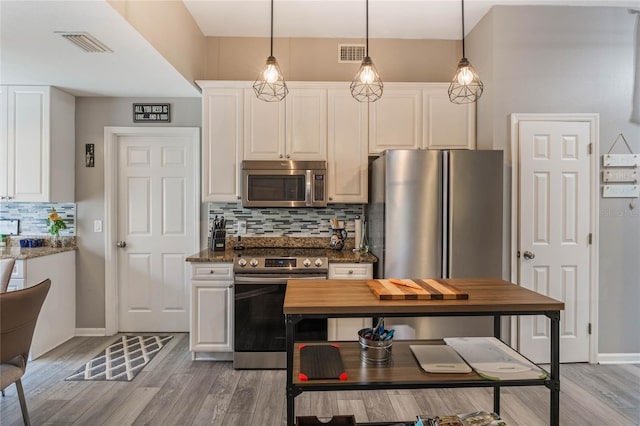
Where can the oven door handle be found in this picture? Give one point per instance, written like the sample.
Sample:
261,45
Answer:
275,280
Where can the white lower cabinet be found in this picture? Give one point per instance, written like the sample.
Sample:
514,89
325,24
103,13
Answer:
57,319
211,325
345,329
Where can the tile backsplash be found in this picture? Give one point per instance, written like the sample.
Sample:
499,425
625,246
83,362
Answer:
290,222
33,216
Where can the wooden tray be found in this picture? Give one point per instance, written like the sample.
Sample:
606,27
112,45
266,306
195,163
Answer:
417,288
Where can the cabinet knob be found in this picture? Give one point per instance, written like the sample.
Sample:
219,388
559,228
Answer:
212,271
281,156
330,198
288,156
350,271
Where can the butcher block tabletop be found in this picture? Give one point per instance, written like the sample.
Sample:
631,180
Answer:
485,295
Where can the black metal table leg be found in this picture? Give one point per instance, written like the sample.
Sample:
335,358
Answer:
554,419
497,331
290,391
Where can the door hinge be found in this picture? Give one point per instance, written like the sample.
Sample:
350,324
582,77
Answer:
589,329
590,148
590,238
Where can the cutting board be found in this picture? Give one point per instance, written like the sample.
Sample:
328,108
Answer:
417,289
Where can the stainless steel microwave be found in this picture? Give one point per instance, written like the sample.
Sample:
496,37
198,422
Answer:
284,183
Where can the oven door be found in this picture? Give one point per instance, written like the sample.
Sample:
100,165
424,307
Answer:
260,334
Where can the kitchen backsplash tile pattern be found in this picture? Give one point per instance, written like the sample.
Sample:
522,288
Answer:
294,222
33,216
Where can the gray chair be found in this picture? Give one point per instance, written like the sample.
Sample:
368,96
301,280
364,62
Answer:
6,268
19,312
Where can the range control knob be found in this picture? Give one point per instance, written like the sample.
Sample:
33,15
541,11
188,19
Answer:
306,263
318,262
253,263
242,262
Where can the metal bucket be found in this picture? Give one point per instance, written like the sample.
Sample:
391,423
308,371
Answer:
376,352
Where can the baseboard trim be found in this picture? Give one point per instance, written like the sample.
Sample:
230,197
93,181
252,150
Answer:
91,332
619,358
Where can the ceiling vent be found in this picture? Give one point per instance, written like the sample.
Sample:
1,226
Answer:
86,42
350,53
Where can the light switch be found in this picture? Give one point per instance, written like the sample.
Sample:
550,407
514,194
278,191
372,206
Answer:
97,225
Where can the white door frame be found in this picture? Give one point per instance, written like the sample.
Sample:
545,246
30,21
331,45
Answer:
111,135
593,120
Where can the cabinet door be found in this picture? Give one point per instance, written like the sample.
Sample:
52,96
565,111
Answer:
4,155
222,118
28,143
347,148
306,124
264,133
211,317
395,120
447,125
346,329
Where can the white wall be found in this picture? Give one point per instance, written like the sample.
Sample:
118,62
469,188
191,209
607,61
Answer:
570,60
92,115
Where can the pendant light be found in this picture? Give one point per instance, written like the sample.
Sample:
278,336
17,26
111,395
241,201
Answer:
466,86
270,85
366,85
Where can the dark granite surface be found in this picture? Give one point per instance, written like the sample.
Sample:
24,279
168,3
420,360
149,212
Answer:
283,246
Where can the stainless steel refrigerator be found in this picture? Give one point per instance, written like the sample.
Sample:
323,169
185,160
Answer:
437,214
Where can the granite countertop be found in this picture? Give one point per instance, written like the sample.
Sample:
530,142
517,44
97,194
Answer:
19,253
334,256
297,244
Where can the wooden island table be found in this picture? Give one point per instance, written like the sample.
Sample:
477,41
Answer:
353,298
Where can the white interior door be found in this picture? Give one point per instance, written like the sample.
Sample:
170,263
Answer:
156,229
554,227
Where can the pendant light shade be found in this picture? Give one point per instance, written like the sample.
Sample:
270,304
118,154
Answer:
367,85
270,85
466,86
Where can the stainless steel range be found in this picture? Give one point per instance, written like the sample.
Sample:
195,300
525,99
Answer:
260,283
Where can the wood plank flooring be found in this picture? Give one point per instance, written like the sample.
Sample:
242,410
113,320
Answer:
174,390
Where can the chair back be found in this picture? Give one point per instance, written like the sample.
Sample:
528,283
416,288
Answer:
6,268
19,312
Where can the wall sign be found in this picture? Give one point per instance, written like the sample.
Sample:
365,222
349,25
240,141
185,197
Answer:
620,191
144,113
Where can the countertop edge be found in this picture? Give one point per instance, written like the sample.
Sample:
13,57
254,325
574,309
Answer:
19,253
334,256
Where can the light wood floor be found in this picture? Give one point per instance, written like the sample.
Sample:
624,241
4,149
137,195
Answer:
174,390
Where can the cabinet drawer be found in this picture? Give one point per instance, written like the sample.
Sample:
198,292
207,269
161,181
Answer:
18,269
15,284
212,271
351,271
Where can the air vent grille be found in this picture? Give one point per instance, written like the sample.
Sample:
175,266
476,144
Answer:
350,53
87,42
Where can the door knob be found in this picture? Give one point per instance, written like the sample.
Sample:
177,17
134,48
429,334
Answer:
121,244
529,255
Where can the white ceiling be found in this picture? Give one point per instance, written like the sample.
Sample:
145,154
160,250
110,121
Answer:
31,52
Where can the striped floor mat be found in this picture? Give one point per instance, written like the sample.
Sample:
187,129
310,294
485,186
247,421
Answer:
122,360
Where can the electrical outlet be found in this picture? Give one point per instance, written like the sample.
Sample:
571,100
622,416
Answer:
242,227
97,225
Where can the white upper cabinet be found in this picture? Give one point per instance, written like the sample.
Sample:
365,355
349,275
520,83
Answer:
420,115
222,138
347,147
395,120
37,144
4,146
294,129
446,125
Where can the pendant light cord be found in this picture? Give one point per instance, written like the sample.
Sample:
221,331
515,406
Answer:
463,55
367,29
271,28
